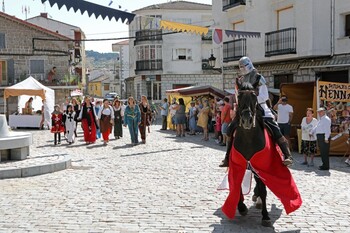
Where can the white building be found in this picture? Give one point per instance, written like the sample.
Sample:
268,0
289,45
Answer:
300,40
78,57
160,61
122,48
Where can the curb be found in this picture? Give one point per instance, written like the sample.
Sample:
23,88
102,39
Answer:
36,170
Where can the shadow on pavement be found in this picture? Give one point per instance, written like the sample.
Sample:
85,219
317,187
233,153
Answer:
151,152
249,223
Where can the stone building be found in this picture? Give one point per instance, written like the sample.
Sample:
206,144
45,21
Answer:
30,50
300,40
158,61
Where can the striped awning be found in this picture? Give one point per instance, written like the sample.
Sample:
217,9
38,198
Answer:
324,63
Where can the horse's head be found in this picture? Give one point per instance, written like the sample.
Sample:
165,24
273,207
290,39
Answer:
247,104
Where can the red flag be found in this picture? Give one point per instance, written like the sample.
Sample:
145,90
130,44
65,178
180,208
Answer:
217,37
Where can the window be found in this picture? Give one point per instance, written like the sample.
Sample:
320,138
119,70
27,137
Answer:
280,79
106,87
2,40
37,67
157,91
347,26
138,91
149,52
182,54
3,73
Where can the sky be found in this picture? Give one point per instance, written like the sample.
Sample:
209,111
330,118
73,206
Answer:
92,27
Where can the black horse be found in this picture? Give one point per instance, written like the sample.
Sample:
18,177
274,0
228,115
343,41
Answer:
249,139
253,148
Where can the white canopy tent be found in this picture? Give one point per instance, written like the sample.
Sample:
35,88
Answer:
30,87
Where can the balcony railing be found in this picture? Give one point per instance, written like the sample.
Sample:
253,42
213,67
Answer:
235,49
149,65
227,4
147,35
281,42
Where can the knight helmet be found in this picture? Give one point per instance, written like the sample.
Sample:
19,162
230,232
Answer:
245,65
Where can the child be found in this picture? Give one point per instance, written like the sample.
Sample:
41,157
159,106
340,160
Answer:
70,123
57,124
218,127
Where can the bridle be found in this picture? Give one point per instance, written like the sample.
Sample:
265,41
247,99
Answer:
248,109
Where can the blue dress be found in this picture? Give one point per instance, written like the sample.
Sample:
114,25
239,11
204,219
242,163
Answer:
132,118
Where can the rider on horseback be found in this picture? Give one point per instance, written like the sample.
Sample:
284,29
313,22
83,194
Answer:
251,75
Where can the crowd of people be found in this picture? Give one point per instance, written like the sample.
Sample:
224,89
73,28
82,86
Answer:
99,119
203,115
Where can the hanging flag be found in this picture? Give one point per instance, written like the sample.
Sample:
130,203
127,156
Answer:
217,37
234,33
183,27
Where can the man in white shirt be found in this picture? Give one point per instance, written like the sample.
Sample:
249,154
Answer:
164,108
323,133
284,116
172,112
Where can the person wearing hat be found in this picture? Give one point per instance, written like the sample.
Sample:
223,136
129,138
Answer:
323,133
251,75
284,116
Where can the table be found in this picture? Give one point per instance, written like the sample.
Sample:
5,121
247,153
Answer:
30,121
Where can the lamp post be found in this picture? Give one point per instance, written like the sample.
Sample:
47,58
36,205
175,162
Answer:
212,61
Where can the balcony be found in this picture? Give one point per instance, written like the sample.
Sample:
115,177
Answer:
281,42
148,35
234,50
147,65
227,4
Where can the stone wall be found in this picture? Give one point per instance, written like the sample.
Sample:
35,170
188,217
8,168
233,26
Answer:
19,47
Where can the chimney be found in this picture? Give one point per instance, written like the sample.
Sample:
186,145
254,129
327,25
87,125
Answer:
43,15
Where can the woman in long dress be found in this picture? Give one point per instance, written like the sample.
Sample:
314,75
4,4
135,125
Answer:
146,116
132,118
180,118
118,119
88,120
203,120
106,119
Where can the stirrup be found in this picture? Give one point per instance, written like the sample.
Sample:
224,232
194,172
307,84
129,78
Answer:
288,161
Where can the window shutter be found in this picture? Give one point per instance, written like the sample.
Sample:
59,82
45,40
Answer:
2,40
11,71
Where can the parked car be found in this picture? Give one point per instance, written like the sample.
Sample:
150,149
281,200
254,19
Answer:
111,96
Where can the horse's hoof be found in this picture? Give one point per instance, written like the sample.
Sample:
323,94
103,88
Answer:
244,212
266,223
254,198
258,203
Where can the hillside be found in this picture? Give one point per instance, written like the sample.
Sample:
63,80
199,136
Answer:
97,60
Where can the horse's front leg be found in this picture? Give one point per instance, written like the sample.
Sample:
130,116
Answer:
266,222
242,208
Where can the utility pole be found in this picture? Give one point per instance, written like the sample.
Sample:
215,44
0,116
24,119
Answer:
3,6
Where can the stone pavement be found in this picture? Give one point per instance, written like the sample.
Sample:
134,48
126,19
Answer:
166,185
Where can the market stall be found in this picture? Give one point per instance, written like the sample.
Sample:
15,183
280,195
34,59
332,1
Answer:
191,93
30,87
334,97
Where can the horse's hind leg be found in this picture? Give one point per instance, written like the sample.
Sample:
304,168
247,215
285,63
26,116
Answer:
242,208
266,222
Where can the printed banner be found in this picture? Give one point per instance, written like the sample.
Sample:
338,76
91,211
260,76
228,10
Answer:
335,92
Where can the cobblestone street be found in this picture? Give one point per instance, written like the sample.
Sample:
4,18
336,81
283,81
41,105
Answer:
167,185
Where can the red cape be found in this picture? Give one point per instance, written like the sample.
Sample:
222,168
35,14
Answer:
267,163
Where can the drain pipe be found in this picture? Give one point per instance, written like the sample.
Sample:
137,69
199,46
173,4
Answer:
332,26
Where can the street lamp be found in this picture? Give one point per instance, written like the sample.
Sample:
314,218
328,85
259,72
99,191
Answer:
212,61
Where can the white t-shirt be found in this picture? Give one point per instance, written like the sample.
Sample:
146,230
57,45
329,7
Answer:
283,113
307,129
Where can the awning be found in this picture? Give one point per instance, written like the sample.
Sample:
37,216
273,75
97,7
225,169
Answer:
92,8
273,67
198,91
333,62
